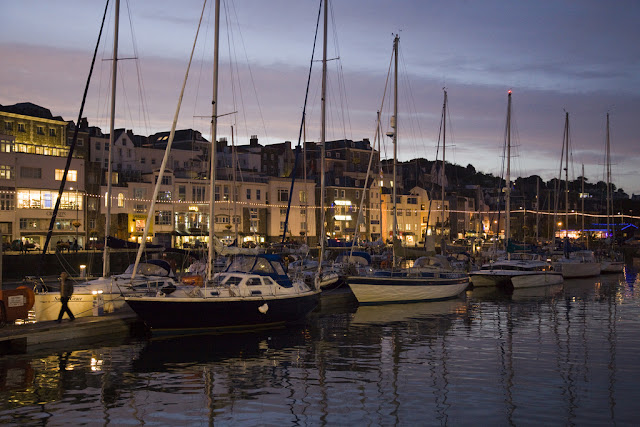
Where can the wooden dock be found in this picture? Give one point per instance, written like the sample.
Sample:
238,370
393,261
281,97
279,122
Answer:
30,336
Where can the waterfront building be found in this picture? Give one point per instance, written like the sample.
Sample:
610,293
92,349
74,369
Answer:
33,153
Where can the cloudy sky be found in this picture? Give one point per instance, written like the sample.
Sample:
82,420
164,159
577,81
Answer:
577,56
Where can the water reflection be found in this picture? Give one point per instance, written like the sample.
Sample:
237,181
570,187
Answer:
556,355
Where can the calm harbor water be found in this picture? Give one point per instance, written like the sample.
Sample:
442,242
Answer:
566,355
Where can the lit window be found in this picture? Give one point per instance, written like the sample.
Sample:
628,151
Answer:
72,175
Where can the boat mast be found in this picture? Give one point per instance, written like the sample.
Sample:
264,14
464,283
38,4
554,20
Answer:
608,173
582,209
507,228
443,245
537,210
323,119
394,125
114,70
234,162
212,162
566,175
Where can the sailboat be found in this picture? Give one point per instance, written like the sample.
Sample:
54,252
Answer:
518,270
404,285
253,291
580,263
612,262
105,294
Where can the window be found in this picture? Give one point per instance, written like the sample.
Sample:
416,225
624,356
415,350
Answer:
303,196
7,202
40,130
226,193
21,127
197,193
140,208
283,195
27,172
153,161
335,192
257,194
106,146
412,200
8,125
98,146
139,193
120,200
163,218
6,172
281,225
52,132
222,219
342,193
248,194
72,175
143,160
166,180
217,195
303,226
164,196
92,224
6,147
283,211
182,193
357,194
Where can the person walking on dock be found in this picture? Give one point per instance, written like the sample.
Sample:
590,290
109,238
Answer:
66,290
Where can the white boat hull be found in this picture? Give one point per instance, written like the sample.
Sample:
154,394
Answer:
612,267
378,290
536,279
574,270
47,305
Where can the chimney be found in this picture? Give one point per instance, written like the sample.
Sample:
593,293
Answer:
253,141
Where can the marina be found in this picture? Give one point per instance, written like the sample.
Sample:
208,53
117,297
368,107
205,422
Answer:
285,262
553,355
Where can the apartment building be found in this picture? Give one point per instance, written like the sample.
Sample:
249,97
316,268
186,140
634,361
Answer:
33,155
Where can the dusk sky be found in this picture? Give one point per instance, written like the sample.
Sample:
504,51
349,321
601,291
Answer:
579,56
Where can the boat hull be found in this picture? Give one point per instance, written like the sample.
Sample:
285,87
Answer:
224,313
516,279
574,270
490,278
612,267
546,278
381,290
47,305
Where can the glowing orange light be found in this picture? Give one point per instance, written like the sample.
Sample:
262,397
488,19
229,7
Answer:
509,91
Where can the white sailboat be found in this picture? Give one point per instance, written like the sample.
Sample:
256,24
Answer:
253,291
613,261
581,263
106,294
517,270
404,285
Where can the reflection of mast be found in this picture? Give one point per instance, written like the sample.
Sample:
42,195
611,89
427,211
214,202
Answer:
612,339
